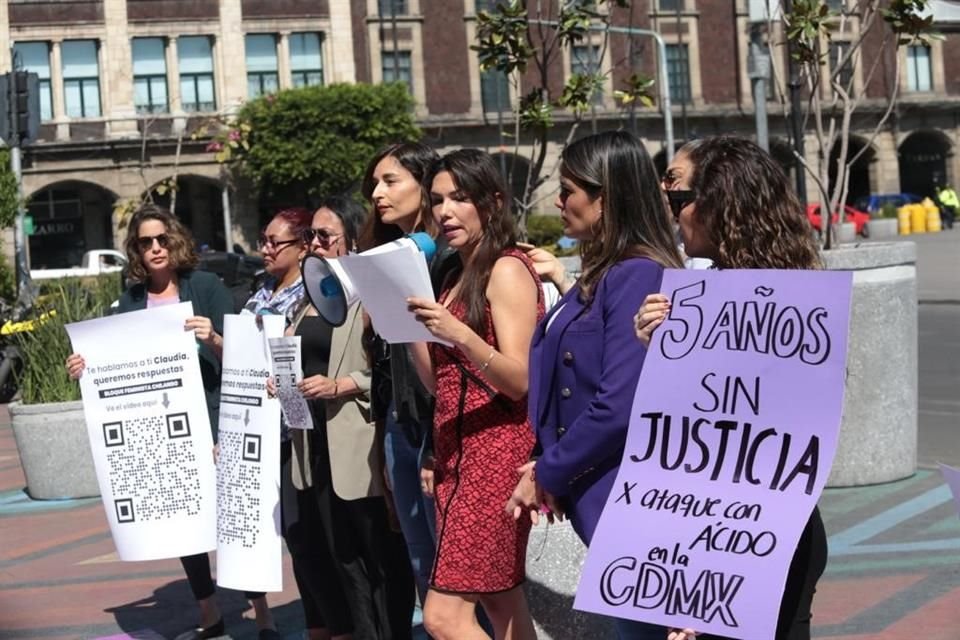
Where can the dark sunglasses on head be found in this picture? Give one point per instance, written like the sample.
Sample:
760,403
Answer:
323,236
145,243
679,198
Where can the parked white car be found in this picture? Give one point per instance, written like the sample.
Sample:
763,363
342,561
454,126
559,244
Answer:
94,263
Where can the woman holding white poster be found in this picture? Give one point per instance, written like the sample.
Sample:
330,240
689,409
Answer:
735,206
162,263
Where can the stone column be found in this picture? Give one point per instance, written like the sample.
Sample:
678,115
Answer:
283,60
886,167
339,64
230,56
56,91
4,37
116,72
173,76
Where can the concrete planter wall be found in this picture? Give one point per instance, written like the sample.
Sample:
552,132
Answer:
54,450
878,436
845,232
883,228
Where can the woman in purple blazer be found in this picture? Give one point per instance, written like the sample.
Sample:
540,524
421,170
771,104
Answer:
585,360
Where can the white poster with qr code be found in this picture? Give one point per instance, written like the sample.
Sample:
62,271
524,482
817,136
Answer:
149,431
287,374
249,548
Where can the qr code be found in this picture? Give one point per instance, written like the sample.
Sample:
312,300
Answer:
238,488
153,468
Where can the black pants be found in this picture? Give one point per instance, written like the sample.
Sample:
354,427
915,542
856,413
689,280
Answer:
321,594
197,568
806,567
377,578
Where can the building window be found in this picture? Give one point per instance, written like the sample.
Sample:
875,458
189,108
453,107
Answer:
81,78
585,60
837,51
396,68
393,7
197,91
262,76
35,57
306,59
150,75
494,91
919,71
678,72
485,5
670,5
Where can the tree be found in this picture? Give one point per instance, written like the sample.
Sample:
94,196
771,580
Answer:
525,41
9,198
831,100
313,141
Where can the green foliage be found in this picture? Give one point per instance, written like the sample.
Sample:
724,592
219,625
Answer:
544,230
888,210
502,38
44,347
8,281
579,90
315,140
636,88
8,192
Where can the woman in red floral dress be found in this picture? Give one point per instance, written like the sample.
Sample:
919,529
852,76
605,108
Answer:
487,313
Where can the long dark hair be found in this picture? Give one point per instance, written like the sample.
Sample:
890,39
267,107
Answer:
351,214
476,175
615,166
416,158
747,206
180,248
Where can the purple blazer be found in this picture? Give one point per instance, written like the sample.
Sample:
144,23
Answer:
583,375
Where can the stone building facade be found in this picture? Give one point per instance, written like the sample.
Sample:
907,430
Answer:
122,79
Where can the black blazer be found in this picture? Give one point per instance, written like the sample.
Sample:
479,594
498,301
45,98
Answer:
210,299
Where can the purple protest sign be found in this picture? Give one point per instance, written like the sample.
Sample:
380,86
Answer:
733,431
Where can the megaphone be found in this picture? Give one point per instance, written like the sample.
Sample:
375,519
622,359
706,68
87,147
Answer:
329,287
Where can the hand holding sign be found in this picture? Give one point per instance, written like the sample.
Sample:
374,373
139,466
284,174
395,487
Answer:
651,315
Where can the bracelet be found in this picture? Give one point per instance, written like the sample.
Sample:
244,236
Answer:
486,364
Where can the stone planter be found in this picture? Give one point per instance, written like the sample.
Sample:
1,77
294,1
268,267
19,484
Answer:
54,450
883,228
555,556
878,435
845,232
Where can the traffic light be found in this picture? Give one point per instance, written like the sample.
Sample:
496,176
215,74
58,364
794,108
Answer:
24,106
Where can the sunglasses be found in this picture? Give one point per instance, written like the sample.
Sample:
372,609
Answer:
275,245
679,198
323,236
145,243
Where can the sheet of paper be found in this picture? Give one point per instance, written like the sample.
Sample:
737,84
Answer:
384,279
249,545
149,431
287,374
732,434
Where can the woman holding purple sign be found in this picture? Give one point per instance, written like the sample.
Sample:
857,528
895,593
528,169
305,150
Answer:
584,360
735,206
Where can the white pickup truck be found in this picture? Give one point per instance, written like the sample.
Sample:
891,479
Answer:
94,263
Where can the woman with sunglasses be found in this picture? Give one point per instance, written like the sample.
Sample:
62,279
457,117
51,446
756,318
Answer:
162,264
282,247
584,360
335,469
735,206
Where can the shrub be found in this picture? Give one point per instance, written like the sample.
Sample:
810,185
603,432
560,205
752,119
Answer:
44,347
544,231
888,210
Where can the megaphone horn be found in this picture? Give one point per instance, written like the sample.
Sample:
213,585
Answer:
328,287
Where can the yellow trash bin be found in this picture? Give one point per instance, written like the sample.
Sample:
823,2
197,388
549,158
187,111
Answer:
903,220
933,215
918,218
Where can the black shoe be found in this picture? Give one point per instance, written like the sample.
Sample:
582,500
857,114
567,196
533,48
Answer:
215,630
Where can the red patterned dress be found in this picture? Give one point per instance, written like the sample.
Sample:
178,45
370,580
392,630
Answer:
480,438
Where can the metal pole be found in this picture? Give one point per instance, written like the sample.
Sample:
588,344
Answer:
796,128
227,218
24,283
686,60
664,76
758,65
